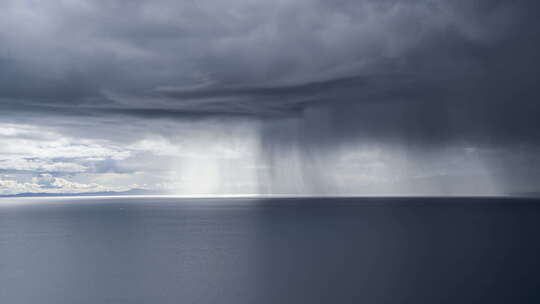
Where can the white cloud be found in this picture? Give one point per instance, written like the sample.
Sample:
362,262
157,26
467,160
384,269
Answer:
47,155
30,148
47,183
39,159
39,165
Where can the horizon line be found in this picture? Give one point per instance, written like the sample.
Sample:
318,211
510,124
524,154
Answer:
254,196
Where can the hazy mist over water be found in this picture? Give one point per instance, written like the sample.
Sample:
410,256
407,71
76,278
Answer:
304,250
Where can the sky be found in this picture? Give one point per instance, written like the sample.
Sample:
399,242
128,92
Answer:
285,97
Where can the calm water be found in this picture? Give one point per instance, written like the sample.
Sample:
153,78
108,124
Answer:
167,250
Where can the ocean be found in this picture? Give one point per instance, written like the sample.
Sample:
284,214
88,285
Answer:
295,250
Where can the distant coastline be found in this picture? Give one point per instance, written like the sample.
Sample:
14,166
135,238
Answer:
143,192
105,193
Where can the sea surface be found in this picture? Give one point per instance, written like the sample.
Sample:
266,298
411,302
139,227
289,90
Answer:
303,250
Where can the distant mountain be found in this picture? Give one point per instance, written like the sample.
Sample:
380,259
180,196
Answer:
106,193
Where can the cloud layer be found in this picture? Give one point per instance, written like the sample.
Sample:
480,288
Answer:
160,94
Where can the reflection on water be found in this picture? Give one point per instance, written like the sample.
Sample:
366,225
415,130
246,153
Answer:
170,250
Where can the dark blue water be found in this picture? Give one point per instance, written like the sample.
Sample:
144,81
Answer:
167,250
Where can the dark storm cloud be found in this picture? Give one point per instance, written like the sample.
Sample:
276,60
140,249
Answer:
429,96
428,71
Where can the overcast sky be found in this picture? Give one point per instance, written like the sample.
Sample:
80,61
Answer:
352,97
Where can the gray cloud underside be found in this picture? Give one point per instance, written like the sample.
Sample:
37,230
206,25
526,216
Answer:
436,83
445,62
